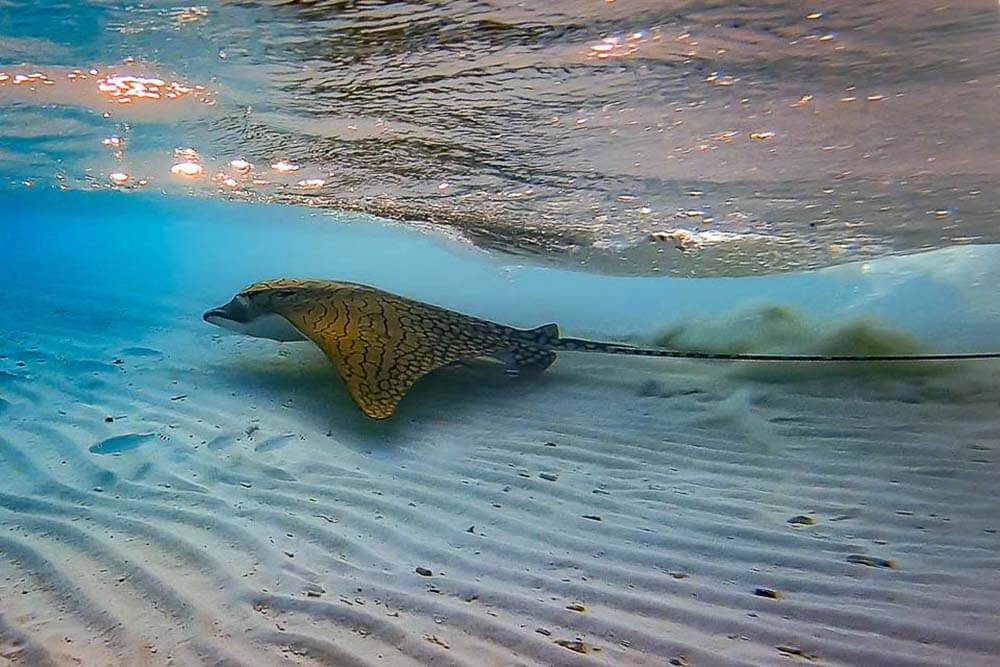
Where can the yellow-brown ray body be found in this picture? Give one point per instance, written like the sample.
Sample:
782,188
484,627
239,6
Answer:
381,343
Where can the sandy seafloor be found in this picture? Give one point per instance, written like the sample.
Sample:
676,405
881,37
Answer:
237,509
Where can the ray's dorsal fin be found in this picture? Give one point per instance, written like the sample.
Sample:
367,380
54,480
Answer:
381,344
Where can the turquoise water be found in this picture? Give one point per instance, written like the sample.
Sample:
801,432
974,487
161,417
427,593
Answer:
156,250
701,176
164,477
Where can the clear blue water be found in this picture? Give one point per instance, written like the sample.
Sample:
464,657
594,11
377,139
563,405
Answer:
155,249
755,177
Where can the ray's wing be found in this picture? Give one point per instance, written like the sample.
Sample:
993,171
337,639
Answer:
382,344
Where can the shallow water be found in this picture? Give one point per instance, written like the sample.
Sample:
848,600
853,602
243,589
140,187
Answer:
177,495
173,494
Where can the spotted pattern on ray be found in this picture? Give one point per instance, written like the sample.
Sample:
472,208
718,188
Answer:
381,343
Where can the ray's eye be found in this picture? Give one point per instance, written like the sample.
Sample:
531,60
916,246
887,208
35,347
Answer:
283,293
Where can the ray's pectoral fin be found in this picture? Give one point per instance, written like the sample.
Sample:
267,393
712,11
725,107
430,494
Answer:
527,360
378,359
530,355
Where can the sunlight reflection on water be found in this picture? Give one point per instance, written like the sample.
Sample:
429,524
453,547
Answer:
694,138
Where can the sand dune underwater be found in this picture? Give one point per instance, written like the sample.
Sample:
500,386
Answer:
174,495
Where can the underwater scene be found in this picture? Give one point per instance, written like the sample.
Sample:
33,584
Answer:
481,332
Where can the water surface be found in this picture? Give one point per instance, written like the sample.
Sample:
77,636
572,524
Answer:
691,138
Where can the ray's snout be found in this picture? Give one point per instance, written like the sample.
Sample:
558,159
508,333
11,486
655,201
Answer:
234,311
214,314
243,316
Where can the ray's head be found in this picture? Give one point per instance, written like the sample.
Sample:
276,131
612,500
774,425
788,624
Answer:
256,310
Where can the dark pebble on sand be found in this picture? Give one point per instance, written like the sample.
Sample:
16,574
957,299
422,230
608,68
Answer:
574,645
543,631
769,593
802,520
548,477
592,517
797,652
424,572
109,419
871,561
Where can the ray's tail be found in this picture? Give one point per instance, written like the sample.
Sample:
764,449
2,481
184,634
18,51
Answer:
580,345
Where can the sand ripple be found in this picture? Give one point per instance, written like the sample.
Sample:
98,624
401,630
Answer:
189,498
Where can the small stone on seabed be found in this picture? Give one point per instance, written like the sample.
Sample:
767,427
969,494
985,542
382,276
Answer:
871,561
592,517
575,645
796,651
118,178
424,572
549,477
312,183
769,593
802,520
576,606
434,639
543,631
